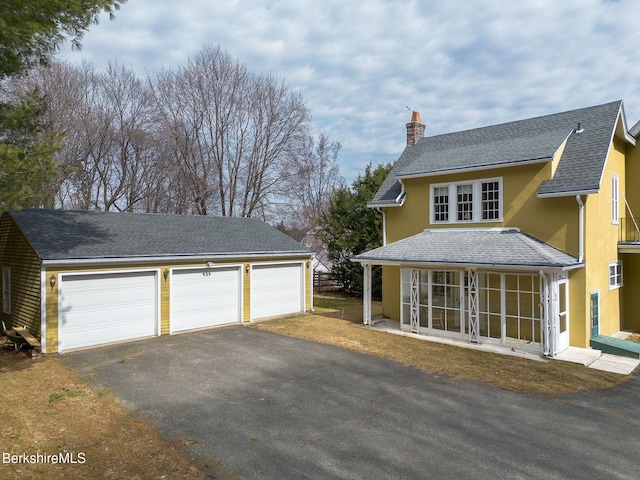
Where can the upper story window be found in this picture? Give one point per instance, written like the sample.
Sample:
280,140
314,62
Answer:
614,199
441,204
464,202
491,200
464,205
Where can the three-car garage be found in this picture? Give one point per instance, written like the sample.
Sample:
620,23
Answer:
80,279
109,307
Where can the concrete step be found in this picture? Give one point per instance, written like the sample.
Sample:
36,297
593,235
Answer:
616,346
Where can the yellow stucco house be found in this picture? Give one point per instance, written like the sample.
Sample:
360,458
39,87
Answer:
78,279
520,234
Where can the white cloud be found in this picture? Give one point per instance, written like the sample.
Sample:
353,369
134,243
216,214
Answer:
461,64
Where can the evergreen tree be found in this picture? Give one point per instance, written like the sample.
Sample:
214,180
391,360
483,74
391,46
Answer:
350,228
26,155
32,30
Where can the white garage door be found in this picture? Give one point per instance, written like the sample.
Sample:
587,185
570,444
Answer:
204,297
105,308
276,290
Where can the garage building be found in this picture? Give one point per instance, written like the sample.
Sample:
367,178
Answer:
79,279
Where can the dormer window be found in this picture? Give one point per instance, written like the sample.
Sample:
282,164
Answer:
466,202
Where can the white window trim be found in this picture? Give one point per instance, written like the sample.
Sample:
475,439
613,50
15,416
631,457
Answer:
6,290
615,199
477,201
615,280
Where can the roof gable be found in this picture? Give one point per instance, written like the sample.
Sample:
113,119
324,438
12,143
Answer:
513,143
74,235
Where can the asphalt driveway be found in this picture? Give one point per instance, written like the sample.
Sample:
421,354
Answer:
275,407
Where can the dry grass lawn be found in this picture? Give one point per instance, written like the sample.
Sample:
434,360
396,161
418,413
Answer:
337,322
46,409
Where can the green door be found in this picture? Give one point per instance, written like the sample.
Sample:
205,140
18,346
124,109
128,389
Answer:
594,313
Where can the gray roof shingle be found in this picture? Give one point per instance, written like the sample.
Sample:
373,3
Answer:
472,246
73,235
535,139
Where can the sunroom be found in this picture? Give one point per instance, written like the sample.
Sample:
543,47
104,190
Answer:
497,286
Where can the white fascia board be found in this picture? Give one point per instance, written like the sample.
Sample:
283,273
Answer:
476,266
475,168
383,205
567,194
629,248
623,117
172,259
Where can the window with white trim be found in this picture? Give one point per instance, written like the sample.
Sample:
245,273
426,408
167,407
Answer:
615,275
490,200
6,290
464,202
614,199
441,204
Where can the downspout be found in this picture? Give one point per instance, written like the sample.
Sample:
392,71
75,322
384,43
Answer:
384,226
580,229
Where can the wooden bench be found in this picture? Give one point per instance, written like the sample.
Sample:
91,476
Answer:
33,342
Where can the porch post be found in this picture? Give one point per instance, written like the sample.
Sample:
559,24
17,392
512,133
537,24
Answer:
474,327
546,314
415,301
366,292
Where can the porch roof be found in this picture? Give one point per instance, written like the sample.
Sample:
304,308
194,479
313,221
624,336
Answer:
500,247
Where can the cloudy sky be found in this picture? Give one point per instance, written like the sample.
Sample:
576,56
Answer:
460,63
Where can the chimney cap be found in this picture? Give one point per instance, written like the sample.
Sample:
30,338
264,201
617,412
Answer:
415,117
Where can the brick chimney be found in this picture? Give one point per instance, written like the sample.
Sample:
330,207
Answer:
415,129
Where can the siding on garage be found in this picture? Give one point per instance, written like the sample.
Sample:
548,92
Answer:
18,255
246,292
165,298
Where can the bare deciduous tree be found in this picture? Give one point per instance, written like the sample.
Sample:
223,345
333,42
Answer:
314,174
231,130
209,137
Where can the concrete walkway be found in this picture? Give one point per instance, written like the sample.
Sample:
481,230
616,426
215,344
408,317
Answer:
586,356
600,361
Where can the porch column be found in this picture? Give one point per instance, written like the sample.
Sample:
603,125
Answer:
366,292
546,313
415,301
474,327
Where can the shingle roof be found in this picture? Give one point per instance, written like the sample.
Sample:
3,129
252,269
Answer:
66,235
535,139
473,246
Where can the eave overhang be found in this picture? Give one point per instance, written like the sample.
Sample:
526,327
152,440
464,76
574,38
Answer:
475,168
161,260
571,193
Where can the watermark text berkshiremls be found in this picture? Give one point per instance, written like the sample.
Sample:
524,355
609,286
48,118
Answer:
43,458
